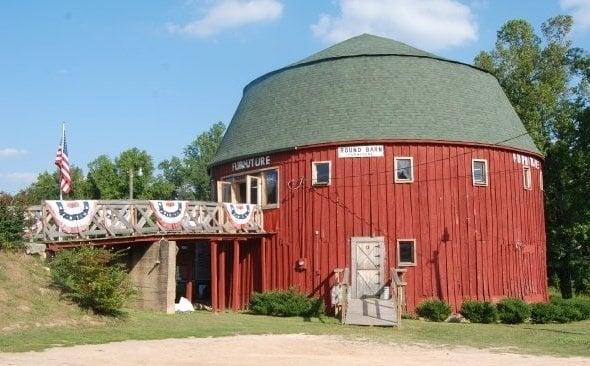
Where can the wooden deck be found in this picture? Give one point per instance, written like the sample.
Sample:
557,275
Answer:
120,222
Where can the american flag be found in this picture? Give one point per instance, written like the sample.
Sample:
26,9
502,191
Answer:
62,162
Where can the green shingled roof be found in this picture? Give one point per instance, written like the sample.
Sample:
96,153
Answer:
371,88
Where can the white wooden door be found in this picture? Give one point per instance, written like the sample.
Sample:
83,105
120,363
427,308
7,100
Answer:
368,262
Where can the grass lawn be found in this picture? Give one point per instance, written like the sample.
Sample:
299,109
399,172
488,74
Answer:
554,339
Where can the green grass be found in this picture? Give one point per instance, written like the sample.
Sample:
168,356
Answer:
554,339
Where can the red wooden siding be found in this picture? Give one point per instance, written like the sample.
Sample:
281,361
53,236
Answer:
472,242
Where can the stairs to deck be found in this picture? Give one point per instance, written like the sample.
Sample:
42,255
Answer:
371,311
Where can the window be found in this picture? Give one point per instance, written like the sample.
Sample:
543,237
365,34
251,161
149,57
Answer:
320,173
541,183
479,171
258,188
270,186
404,169
526,176
406,252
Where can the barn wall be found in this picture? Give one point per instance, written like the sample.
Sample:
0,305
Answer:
472,242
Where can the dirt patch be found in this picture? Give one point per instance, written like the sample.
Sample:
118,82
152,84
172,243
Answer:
273,350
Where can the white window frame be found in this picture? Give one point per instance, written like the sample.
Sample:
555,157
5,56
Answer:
486,167
314,173
241,176
406,264
526,173
395,169
541,182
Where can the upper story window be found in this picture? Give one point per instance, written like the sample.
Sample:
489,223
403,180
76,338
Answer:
479,172
541,183
258,188
526,177
321,175
404,169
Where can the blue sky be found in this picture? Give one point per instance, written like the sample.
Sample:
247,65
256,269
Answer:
155,74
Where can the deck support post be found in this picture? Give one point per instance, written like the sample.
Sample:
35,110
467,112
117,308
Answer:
222,276
236,276
214,298
263,264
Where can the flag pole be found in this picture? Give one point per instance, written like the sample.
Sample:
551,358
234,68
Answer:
63,136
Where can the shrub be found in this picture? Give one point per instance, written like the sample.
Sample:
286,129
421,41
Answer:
286,303
542,313
434,310
479,311
569,313
574,309
12,222
93,278
513,311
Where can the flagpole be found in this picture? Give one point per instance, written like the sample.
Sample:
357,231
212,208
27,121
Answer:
63,136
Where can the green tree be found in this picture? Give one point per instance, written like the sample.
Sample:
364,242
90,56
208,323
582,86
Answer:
545,78
103,180
190,174
46,187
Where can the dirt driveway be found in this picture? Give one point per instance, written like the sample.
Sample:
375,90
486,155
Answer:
272,350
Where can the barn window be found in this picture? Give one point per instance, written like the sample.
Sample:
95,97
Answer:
526,175
321,173
541,183
270,186
479,171
406,252
404,169
259,188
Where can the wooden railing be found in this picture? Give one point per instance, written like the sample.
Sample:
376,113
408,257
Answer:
113,219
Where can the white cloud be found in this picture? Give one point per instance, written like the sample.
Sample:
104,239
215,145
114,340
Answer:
580,9
226,14
430,24
10,152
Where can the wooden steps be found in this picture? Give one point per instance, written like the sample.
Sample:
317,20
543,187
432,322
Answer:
371,311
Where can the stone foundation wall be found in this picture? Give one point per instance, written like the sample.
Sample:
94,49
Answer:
152,268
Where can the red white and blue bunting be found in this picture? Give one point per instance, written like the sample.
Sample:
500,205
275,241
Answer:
169,214
240,214
72,217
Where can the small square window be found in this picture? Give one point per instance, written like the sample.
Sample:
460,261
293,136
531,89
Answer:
526,175
479,171
406,252
321,173
404,169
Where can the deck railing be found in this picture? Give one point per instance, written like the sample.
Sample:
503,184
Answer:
113,219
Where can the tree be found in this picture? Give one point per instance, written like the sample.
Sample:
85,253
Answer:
190,174
46,187
103,180
544,78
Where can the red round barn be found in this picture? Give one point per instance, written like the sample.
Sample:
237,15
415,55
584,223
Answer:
374,156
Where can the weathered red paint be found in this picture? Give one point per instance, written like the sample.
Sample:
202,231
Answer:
472,242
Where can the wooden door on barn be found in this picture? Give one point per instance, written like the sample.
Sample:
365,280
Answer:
368,262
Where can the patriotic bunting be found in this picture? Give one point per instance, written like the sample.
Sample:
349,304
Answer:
240,214
169,214
72,217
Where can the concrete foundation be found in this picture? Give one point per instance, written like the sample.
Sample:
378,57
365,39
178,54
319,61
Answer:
152,268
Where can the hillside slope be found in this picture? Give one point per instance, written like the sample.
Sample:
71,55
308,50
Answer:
27,300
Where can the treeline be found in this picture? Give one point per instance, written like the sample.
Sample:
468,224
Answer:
183,177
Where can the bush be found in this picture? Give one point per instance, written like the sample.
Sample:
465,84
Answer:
575,309
513,311
479,311
286,303
542,313
93,278
12,222
434,310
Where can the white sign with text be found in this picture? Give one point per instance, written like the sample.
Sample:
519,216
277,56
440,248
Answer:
366,151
